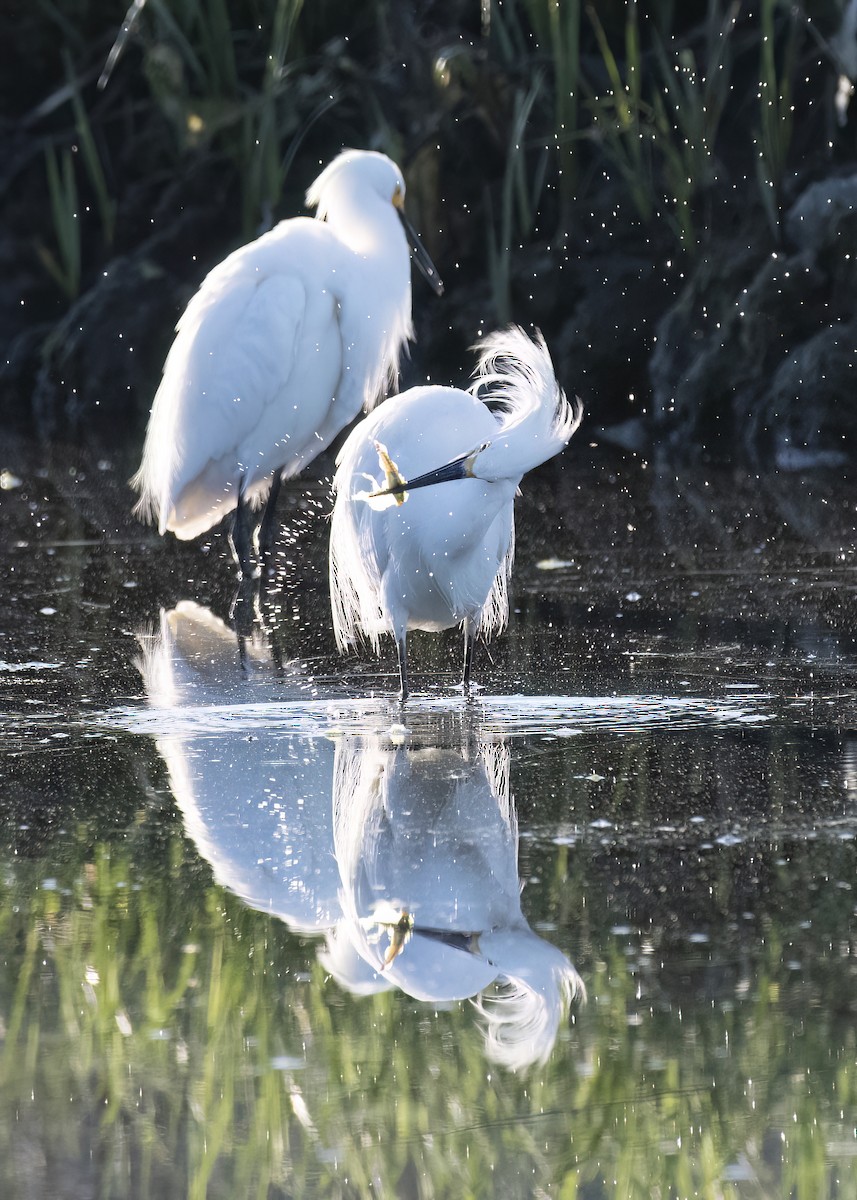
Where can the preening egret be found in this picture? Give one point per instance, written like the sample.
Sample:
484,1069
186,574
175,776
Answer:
426,841
279,349
404,858
406,558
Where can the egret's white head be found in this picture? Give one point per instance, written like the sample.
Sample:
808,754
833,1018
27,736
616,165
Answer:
534,418
352,171
355,174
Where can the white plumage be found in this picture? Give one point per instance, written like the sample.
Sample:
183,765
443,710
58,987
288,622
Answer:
280,348
426,841
443,556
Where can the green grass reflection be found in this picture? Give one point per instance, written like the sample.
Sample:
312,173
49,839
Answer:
161,1039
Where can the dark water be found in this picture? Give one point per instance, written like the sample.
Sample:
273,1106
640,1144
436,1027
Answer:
263,934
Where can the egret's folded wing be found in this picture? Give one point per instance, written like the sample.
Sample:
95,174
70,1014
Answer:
231,360
236,364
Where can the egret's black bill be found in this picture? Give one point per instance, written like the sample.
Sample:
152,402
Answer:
421,255
457,468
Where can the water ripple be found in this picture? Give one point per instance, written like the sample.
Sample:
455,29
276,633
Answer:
505,716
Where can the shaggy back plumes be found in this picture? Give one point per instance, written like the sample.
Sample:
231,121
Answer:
495,611
515,375
521,1018
497,761
354,578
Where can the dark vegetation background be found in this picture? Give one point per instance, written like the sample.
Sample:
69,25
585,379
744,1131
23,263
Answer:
666,189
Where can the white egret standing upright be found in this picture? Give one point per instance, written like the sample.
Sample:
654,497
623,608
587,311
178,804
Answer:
279,349
442,557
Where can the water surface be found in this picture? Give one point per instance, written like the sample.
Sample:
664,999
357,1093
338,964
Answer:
264,933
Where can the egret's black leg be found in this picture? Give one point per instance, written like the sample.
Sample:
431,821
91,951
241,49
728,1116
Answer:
244,614
268,525
277,656
402,650
241,537
468,660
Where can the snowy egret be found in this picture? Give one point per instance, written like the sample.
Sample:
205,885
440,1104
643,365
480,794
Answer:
403,858
439,558
426,841
254,795
279,349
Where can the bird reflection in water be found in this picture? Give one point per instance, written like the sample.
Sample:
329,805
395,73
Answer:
399,849
426,842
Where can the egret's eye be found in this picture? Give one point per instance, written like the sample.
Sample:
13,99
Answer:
398,196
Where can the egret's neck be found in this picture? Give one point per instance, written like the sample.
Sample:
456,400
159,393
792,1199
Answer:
375,315
369,226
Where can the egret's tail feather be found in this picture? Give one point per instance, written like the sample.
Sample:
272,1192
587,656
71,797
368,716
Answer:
147,507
